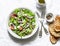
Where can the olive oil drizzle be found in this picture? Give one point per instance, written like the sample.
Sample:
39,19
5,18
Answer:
41,1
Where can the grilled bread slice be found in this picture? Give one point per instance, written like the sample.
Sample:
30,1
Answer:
52,31
57,24
53,39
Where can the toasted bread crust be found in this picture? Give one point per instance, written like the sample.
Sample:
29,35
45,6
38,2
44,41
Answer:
57,24
57,17
52,31
53,39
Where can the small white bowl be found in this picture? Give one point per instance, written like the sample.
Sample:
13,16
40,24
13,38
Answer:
27,36
51,19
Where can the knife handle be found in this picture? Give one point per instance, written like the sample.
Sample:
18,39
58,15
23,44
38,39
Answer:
46,32
40,31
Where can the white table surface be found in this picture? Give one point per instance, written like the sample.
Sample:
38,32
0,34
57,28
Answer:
6,6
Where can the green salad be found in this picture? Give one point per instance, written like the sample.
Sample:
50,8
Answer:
22,21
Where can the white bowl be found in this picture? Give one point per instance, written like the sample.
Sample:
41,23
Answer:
40,5
50,20
27,36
